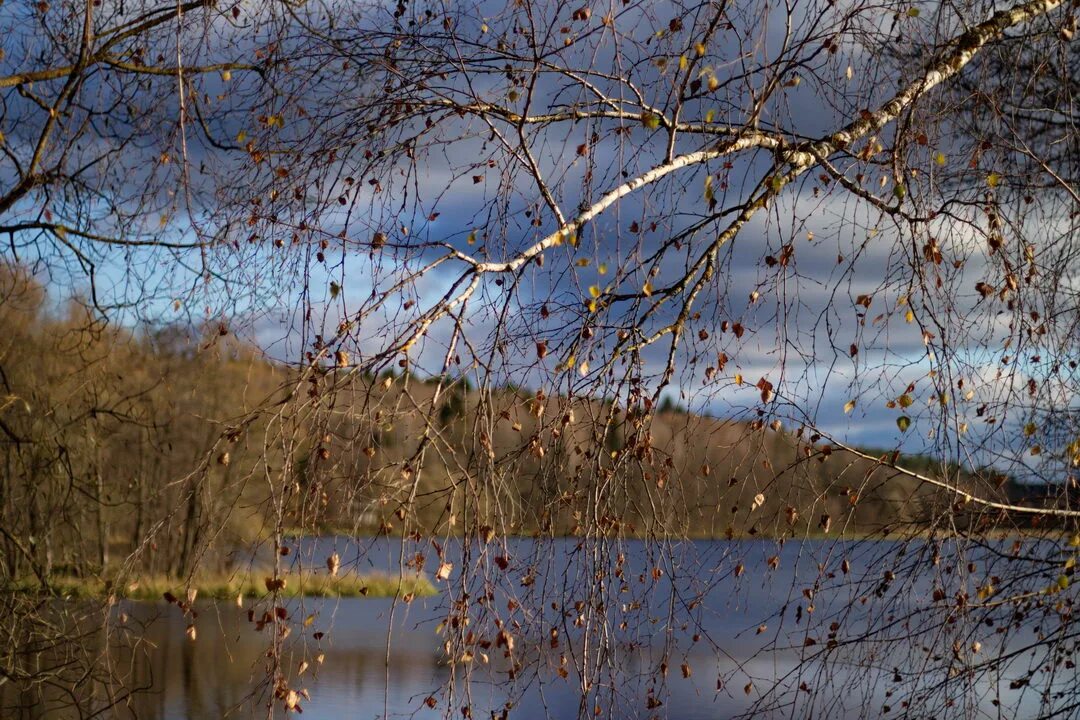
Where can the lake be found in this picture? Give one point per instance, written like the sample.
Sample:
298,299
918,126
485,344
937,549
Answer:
703,629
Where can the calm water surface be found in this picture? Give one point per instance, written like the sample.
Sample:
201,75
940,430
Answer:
696,611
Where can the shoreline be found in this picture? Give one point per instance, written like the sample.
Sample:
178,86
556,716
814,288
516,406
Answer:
226,587
295,534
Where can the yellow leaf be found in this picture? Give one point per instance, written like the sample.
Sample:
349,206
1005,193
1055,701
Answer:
594,291
710,115
241,136
909,316
472,238
939,158
993,179
650,120
683,63
647,289
849,406
602,269
226,75
699,48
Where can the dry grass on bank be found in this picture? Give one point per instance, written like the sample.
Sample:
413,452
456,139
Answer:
228,587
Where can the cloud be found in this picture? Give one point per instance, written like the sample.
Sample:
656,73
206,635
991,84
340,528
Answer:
834,299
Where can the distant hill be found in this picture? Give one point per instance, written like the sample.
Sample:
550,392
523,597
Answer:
679,474
177,443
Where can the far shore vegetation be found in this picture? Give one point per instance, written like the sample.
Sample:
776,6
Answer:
94,450
223,586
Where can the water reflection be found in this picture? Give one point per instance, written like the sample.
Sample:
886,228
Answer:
224,672
690,642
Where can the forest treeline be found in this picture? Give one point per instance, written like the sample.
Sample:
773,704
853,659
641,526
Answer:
105,433
146,450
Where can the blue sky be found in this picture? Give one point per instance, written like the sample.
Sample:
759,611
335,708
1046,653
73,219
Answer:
467,190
